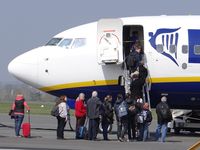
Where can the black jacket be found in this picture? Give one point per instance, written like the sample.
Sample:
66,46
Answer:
107,112
160,118
143,73
93,107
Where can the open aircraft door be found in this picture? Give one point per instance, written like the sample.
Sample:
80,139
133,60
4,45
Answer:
109,41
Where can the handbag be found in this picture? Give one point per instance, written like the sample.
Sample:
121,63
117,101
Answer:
11,114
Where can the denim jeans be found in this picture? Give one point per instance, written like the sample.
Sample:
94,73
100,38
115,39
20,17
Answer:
140,127
18,122
92,129
161,132
146,131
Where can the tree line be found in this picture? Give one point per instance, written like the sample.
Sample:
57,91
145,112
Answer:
8,92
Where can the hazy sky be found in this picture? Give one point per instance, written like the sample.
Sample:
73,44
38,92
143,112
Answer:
27,24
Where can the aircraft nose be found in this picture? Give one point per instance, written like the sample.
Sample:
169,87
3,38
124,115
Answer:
24,67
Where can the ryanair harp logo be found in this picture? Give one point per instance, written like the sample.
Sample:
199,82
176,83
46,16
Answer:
168,40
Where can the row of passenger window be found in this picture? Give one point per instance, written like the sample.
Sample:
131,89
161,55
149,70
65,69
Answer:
173,49
67,43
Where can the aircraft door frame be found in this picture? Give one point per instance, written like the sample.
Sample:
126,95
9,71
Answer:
109,41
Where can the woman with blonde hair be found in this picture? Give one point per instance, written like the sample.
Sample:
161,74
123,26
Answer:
62,117
18,109
80,113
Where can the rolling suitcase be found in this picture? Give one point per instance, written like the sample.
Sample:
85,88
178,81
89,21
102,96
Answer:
26,127
83,132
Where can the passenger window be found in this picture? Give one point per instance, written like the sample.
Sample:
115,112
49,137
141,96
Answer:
65,43
54,41
197,49
185,49
79,42
172,49
159,48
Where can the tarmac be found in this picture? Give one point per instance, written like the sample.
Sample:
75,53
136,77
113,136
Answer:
43,137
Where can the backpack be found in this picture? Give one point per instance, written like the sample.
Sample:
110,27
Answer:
122,110
131,60
165,112
140,118
55,111
144,116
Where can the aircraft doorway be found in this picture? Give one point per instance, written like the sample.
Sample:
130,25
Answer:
131,35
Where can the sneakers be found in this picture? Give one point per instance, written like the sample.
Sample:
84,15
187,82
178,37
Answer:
19,136
121,140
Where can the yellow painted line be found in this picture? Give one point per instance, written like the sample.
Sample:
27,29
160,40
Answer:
174,79
115,82
196,146
80,84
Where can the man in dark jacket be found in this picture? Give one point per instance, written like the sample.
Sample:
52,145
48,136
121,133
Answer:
134,58
163,116
93,113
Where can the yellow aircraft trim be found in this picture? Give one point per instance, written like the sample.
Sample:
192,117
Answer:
115,82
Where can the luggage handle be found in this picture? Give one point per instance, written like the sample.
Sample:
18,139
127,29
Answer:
29,118
86,121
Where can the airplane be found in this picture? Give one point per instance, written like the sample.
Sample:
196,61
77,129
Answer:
90,57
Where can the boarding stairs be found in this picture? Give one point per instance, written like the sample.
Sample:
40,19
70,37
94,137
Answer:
127,79
146,90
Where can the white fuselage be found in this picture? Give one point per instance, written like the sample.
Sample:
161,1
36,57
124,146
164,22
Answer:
54,68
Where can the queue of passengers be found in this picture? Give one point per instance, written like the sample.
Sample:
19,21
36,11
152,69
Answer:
132,117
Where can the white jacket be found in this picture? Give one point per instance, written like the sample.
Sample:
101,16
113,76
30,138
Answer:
62,110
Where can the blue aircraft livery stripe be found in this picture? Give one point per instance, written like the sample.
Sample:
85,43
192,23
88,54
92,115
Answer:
171,39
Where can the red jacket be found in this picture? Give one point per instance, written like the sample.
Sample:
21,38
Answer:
80,109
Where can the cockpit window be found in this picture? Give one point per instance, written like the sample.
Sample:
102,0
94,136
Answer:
54,41
79,42
65,43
